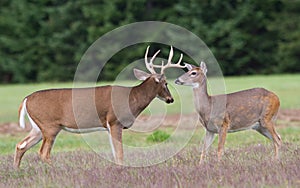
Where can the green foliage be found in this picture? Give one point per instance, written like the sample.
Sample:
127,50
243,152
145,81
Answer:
158,136
288,28
45,40
237,32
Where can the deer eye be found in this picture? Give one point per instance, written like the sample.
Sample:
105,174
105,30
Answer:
193,73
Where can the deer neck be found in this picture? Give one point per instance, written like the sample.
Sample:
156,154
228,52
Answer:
141,95
201,99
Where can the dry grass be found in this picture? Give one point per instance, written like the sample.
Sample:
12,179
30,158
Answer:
249,166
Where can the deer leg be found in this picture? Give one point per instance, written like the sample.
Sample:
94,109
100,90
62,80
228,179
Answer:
207,141
222,137
46,149
268,122
48,140
264,132
32,139
271,132
115,132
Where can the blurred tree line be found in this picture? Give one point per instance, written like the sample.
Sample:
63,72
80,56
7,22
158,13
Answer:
44,40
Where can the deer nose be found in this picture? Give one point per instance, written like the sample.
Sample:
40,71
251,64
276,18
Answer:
169,100
178,82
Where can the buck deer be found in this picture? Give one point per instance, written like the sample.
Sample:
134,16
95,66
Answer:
116,107
248,109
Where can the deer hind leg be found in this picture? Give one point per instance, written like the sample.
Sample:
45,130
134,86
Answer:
268,122
207,141
48,140
268,130
32,139
264,131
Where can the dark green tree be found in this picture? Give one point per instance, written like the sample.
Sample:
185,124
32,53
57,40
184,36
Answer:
44,40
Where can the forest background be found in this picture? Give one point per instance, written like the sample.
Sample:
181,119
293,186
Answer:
44,40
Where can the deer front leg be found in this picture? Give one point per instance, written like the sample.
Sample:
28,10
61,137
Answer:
115,136
222,137
207,141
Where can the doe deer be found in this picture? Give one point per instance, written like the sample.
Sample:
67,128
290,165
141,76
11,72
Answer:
248,109
50,111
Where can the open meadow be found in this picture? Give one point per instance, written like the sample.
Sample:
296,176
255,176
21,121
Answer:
247,161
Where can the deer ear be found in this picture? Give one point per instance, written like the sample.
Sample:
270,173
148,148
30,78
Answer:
203,67
189,66
141,75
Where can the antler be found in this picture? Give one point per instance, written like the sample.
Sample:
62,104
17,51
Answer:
150,66
169,63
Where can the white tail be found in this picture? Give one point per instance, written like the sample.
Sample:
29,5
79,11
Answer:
23,112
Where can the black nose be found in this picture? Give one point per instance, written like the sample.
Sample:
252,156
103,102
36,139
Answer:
170,100
177,82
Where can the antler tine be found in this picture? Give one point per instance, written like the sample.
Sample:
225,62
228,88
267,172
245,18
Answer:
152,59
170,56
169,63
149,65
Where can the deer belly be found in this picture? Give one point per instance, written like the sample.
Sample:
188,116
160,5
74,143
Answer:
242,128
213,128
243,120
85,130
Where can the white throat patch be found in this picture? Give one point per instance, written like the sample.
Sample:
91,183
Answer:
195,85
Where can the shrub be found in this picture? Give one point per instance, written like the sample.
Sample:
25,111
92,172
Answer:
158,136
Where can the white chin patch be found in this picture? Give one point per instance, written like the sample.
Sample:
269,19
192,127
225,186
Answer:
161,98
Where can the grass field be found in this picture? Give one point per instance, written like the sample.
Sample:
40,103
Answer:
285,86
247,161
242,167
247,153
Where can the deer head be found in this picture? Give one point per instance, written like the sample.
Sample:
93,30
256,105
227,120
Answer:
194,76
163,92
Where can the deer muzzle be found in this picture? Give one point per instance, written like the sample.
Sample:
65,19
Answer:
169,100
178,82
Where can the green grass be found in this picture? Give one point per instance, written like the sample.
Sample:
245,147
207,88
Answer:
158,136
285,86
70,142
